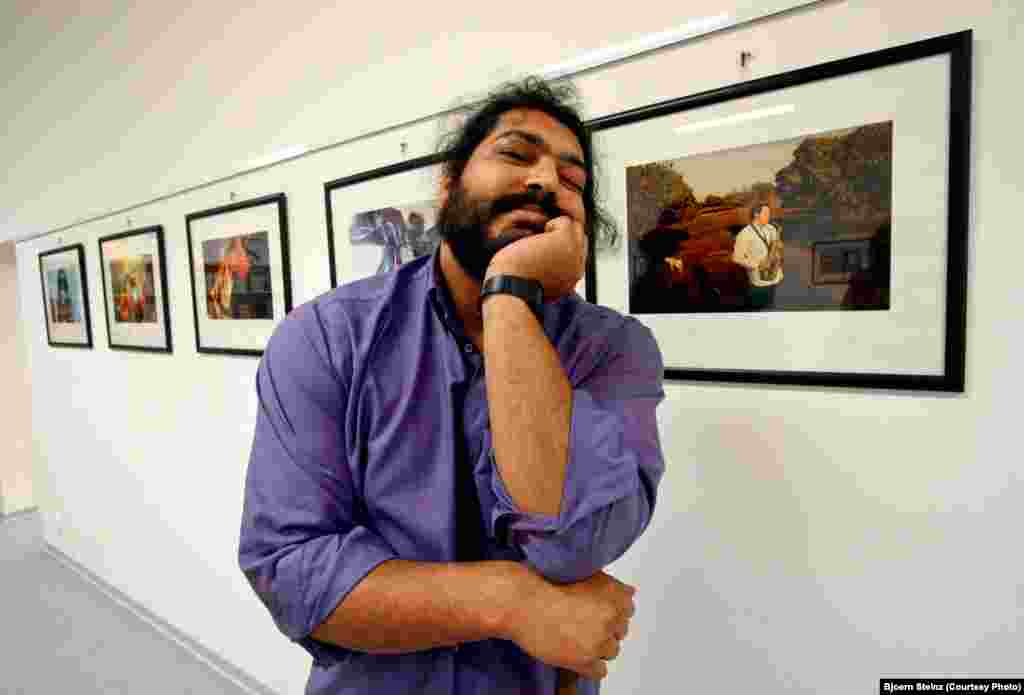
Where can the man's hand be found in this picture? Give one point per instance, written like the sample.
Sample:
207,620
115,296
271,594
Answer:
574,626
556,258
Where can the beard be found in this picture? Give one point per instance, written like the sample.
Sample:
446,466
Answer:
463,223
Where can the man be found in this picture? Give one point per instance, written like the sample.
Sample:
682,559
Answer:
759,249
443,464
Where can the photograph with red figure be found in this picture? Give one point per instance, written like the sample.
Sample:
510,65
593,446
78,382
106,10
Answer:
802,224
131,279
237,270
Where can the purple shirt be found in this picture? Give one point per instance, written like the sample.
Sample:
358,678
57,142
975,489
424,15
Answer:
370,398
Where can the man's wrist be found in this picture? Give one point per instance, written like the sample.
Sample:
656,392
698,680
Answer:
525,290
516,585
503,302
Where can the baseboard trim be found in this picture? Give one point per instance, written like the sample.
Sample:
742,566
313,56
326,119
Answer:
215,661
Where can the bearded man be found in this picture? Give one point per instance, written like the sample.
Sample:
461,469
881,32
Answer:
447,456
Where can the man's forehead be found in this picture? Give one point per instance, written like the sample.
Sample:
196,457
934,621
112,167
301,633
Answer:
552,131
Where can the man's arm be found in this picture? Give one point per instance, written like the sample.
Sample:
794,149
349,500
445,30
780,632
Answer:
530,403
576,464
404,606
612,463
335,586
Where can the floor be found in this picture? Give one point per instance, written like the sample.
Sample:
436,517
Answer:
63,635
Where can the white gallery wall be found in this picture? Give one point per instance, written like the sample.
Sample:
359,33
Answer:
16,459
806,539
190,92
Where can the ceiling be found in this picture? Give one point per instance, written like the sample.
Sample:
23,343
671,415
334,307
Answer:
109,104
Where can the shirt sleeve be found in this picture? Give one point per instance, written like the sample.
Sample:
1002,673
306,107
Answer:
301,547
615,465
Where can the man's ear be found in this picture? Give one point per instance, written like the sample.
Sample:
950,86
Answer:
444,188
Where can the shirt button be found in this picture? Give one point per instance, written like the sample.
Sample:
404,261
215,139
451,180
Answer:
468,347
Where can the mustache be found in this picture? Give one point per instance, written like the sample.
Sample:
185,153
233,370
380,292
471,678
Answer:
515,201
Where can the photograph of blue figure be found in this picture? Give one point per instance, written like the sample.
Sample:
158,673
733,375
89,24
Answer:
384,228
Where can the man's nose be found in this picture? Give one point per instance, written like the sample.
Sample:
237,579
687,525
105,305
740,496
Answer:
543,174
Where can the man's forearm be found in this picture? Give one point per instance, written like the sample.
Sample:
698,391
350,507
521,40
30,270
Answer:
530,404
403,606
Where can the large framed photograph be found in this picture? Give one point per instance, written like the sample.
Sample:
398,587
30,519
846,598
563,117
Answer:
66,297
377,220
134,272
806,228
240,274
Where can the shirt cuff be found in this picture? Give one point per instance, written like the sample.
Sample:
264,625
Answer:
358,555
601,470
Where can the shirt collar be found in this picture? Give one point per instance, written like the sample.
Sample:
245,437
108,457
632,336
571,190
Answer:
440,297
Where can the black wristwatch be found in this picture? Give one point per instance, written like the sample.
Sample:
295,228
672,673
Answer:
530,291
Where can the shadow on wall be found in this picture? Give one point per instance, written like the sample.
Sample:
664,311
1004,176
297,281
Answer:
16,460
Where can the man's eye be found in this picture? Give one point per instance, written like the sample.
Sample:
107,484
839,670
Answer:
514,155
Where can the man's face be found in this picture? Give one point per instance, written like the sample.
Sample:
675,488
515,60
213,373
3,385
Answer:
493,204
765,215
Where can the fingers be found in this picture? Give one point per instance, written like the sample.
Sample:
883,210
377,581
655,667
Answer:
595,670
569,226
610,649
621,629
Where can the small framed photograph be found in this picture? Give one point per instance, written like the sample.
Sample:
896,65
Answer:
378,220
66,297
806,228
240,274
134,272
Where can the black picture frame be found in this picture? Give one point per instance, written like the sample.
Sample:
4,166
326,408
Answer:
380,172
958,47
158,232
79,250
277,199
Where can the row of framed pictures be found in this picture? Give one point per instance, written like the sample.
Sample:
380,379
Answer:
855,286
238,269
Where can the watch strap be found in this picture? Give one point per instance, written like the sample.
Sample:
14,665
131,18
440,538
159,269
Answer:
530,291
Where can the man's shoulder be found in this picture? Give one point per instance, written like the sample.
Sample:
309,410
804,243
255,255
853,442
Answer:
383,290
598,343
346,318
601,324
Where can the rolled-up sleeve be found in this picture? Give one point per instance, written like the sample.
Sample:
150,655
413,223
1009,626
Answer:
615,465
301,547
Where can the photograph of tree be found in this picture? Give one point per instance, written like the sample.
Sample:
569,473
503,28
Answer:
796,225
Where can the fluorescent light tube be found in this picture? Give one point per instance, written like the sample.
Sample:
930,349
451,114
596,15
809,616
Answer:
647,43
738,118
